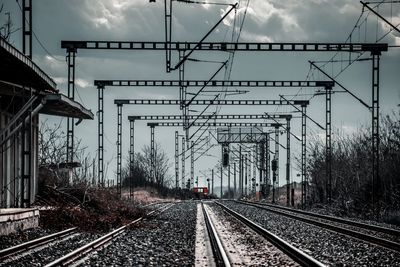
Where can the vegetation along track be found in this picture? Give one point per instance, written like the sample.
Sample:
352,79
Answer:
82,251
370,233
294,253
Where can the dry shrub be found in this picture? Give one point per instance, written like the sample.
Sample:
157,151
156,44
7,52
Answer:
98,209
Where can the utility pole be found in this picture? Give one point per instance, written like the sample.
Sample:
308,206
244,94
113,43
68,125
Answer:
267,163
191,182
276,182
119,147
183,162
288,162
176,160
254,166
234,179
212,182
100,129
221,178
152,154
229,181
246,174
304,180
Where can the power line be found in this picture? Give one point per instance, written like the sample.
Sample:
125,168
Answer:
37,38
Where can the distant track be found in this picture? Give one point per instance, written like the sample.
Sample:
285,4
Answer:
36,243
313,218
365,226
79,253
293,252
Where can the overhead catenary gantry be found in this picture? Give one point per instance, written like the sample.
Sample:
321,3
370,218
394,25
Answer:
101,85
227,46
197,83
132,120
121,102
288,117
152,125
73,46
376,49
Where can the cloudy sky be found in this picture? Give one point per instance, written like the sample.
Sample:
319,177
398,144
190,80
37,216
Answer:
265,21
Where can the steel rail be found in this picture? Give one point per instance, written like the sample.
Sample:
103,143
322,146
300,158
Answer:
85,249
293,252
365,226
221,259
334,228
7,252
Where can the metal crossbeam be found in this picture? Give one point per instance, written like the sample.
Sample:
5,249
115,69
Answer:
212,116
209,102
212,83
226,46
218,124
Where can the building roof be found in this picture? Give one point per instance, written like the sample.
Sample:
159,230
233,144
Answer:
19,74
16,68
61,105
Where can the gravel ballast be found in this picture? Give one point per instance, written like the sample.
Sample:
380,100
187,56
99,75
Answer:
20,237
339,224
50,252
167,239
326,246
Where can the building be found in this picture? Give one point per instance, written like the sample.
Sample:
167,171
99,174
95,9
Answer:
25,93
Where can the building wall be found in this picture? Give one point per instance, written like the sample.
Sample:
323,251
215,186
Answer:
10,164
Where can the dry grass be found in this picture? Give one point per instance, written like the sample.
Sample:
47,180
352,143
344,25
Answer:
90,209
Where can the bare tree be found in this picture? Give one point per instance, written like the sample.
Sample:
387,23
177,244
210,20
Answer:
52,152
351,168
142,168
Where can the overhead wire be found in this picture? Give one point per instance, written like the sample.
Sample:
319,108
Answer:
228,67
37,38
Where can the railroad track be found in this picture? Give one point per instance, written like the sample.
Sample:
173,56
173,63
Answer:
220,255
53,244
337,225
21,248
365,226
83,251
295,254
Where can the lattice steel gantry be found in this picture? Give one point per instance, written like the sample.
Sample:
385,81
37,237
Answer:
182,84
119,149
375,131
121,102
73,46
71,55
27,28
